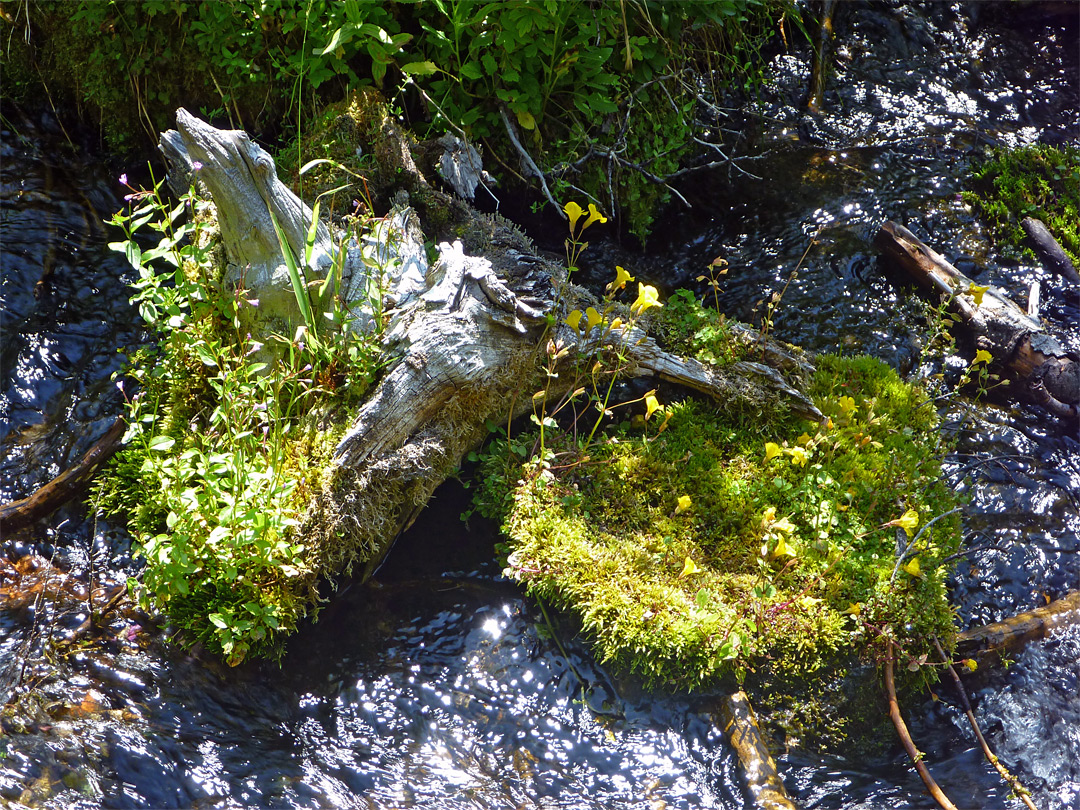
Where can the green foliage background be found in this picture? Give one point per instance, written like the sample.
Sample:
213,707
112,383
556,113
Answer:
597,90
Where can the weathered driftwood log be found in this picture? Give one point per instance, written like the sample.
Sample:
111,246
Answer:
465,338
1016,340
241,177
1013,633
70,483
760,776
1046,246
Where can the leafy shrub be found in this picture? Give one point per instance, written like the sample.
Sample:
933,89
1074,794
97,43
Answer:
225,450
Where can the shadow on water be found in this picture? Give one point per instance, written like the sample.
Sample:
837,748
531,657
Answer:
440,686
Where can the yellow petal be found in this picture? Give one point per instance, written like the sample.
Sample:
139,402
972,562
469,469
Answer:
683,504
689,567
784,525
592,319
616,324
982,356
647,297
847,405
798,456
574,212
909,521
574,319
594,216
769,516
772,450
803,440
652,405
971,664
912,567
782,548
977,292
854,609
621,277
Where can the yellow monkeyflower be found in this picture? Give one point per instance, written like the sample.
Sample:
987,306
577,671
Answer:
912,567
616,324
847,406
971,664
798,456
783,525
977,292
647,297
782,548
772,450
592,318
689,567
621,277
982,356
854,609
909,521
769,516
683,504
574,212
803,440
594,216
652,405
573,320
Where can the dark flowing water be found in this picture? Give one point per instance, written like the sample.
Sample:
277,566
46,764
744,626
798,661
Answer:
442,687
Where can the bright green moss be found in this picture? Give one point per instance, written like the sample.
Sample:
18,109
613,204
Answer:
783,561
1032,181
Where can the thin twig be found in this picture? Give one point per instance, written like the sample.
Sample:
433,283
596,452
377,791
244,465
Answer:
1021,792
907,549
529,161
905,737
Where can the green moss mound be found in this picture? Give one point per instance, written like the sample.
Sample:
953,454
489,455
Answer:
1033,181
727,543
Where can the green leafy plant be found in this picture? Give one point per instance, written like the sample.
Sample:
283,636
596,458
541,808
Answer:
224,450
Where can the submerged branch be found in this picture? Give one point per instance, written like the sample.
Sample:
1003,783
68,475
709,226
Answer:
905,737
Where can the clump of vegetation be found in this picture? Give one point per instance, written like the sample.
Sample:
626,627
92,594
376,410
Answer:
225,447
1032,181
705,543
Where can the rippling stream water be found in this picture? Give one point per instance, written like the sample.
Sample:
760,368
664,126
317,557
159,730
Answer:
440,686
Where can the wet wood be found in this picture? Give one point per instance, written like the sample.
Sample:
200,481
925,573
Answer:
1018,342
1014,783
1054,259
913,753
1014,633
760,777
66,486
819,65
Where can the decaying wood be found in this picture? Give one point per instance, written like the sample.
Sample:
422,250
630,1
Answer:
1013,633
1046,246
466,340
905,737
1016,341
70,483
760,776
242,179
